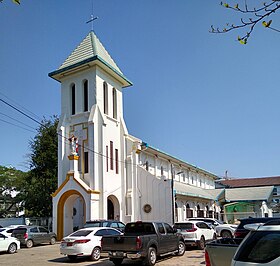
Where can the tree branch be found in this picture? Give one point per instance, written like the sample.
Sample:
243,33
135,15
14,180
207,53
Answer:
249,23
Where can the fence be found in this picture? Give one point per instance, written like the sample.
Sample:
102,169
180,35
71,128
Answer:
43,221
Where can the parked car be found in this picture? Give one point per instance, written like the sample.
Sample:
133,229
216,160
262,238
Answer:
105,223
33,235
241,232
9,244
7,231
222,229
85,242
146,241
226,230
260,247
220,252
196,233
214,222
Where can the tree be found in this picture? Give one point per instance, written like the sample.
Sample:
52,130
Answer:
14,1
11,191
42,178
250,17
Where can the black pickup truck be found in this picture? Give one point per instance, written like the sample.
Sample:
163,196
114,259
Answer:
145,241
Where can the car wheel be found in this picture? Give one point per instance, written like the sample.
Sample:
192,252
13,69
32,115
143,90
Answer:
151,257
117,262
72,257
53,240
12,248
181,248
226,234
29,243
201,243
95,255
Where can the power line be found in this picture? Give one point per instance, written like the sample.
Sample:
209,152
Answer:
15,108
17,126
87,148
17,120
17,104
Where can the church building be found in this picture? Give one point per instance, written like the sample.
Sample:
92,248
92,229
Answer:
103,171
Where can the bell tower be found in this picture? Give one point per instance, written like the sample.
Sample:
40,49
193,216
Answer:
92,113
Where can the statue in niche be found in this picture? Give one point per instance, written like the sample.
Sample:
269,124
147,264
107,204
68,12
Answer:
74,145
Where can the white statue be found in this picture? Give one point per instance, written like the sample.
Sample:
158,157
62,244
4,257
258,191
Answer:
74,145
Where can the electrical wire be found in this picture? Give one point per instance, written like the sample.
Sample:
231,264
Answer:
18,121
64,137
17,126
22,107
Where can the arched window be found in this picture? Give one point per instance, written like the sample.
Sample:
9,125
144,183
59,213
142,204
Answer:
105,97
73,99
114,103
85,96
200,213
189,212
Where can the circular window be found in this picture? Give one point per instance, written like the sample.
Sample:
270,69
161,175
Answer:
147,208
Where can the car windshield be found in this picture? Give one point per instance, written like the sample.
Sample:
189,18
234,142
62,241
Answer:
96,224
19,231
261,247
183,226
140,228
81,233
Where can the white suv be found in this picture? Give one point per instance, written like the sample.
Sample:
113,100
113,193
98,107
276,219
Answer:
222,229
260,247
196,233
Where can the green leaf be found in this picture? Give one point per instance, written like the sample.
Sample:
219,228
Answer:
266,24
243,41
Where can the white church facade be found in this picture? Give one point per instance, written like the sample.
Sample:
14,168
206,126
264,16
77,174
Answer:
103,171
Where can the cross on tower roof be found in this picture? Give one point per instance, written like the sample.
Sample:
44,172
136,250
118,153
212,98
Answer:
92,18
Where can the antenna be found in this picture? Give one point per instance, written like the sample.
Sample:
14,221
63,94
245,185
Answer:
92,17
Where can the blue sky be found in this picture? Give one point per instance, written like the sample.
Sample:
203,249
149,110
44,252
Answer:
201,97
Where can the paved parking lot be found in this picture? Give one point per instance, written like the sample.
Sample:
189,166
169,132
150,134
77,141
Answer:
48,255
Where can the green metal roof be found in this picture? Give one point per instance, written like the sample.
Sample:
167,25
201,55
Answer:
248,193
89,50
89,47
192,191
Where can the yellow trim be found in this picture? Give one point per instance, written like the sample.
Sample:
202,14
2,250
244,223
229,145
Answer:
62,185
60,211
89,191
73,157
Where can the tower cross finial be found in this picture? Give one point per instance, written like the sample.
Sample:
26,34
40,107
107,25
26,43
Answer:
92,18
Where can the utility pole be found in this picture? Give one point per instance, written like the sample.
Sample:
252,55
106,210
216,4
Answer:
172,193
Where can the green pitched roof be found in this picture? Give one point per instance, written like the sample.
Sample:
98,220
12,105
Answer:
89,50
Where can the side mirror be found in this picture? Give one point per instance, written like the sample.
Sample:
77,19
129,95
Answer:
175,230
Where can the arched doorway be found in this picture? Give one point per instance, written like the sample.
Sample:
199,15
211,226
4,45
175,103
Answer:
176,212
70,213
113,208
110,210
